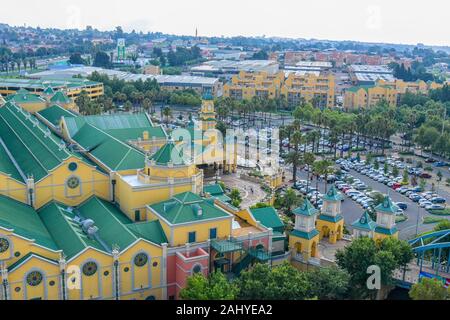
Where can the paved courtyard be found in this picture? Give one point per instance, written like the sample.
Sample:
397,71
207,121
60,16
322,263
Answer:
251,193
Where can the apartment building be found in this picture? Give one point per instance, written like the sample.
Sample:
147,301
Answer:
316,89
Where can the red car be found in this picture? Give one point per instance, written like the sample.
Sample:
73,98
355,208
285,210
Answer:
425,175
395,186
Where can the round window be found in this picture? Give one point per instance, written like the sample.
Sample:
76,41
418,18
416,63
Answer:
17,254
126,269
51,283
34,278
141,259
155,264
73,182
4,245
197,269
89,268
73,166
106,273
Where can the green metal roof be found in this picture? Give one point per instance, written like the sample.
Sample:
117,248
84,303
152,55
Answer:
35,149
307,209
269,218
226,246
169,153
188,207
22,98
304,235
357,88
49,91
151,231
25,222
66,232
60,97
54,114
110,221
330,218
25,258
385,231
333,195
365,222
216,191
123,127
387,206
55,84
7,165
213,189
113,153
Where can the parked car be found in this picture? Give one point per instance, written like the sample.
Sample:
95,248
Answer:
438,200
425,175
425,204
435,207
402,205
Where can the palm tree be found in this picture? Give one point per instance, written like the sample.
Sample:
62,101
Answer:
294,157
322,168
167,112
309,159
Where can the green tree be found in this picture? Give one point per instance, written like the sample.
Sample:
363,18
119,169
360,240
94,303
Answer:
364,252
405,179
278,283
329,283
235,197
395,171
167,113
429,289
102,60
215,287
386,168
290,200
76,58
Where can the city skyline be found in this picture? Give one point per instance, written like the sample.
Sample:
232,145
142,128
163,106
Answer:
381,21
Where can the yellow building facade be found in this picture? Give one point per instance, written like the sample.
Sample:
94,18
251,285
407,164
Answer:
316,89
247,85
364,97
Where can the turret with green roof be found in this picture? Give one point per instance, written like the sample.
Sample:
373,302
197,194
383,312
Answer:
364,226
307,209
333,195
387,206
386,225
60,98
169,154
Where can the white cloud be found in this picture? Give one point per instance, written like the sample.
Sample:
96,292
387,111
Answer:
399,21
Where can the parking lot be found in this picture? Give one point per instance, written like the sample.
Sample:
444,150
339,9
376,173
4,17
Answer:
352,211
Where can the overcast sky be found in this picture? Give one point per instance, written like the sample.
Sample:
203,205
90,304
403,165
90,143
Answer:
392,21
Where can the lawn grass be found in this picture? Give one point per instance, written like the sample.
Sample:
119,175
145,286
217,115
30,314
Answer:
430,220
445,212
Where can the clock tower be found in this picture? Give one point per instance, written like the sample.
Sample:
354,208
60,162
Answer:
208,113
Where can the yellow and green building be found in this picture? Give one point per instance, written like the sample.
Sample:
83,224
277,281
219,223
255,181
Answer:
110,207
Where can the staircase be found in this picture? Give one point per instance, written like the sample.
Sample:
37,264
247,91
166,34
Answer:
242,264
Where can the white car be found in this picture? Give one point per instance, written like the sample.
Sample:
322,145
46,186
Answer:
425,204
